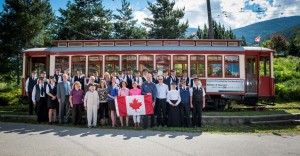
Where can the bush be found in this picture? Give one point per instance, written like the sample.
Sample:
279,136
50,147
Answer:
286,68
289,90
10,94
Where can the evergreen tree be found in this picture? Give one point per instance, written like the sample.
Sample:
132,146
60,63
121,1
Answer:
84,19
124,27
165,21
294,47
21,23
243,43
219,32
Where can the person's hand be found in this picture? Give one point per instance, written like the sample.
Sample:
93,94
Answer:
26,93
85,107
34,103
54,97
191,105
59,100
153,104
71,105
149,94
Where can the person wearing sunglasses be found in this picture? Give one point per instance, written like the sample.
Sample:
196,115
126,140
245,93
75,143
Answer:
161,102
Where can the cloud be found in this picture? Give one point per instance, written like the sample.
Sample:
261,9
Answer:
140,16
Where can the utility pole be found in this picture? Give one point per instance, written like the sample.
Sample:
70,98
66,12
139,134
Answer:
210,28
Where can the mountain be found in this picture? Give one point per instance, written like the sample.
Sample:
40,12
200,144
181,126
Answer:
288,33
265,28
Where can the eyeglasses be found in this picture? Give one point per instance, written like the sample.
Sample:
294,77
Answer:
160,79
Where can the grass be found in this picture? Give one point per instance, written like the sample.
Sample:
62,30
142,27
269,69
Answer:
230,129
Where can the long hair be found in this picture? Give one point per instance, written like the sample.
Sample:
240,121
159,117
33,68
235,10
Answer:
103,81
76,82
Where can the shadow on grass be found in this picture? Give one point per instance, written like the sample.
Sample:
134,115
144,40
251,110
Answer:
82,131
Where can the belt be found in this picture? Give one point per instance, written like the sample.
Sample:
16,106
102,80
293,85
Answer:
161,98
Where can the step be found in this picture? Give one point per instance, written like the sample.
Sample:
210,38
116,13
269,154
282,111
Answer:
277,122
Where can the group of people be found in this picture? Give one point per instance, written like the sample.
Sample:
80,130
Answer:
173,98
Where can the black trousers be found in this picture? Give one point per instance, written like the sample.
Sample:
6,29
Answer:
77,113
184,109
41,110
146,121
161,111
197,113
30,103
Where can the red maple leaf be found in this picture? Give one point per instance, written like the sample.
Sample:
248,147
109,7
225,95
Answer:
135,104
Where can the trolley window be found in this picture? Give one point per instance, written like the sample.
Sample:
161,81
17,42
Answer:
112,63
78,63
95,64
264,65
163,63
129,61
232,66
62,63
198,65
214,66
180,62
146,62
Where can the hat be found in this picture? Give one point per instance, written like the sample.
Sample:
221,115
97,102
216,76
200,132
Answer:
41,78
57,69
129,69
184,71
43,72
123,70
173,70
154,71
79,70
137,71
51,77
113,71
34,71
145,70
196,79
173,83
165,71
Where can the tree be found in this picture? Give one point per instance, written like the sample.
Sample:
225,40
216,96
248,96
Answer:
243,43
165,21
278,43
294,47
124,27
219,32
21,21
84,19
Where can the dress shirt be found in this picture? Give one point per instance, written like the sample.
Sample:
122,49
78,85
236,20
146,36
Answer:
197,87
34,92
162,91
173,95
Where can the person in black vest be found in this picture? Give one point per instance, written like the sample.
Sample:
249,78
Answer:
155,77
145,73
197,102
129,78
44,75
166,78
96,75
185,77
137,78
39,100
66,71
174,79
79,77
122,75
57,76
52,101
184,106
114,74
192,79
30,82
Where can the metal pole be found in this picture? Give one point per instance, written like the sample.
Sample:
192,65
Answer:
210,28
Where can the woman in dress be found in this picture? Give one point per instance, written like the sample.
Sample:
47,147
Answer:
112,93
135,91
52,101
173,98
124,92
76,102
103,108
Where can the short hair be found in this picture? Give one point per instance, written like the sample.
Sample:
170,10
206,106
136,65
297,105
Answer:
95,72
76,82
79,70
123,82
92,77
182,80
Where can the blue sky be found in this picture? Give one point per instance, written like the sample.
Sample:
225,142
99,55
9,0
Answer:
232,13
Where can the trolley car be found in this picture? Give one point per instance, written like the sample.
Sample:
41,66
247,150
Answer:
227,70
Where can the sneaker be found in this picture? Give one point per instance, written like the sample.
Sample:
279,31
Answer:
89,126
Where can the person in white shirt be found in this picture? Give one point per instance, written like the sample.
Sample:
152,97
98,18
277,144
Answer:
52,101
161,102
138,79
39,100
197,102
91,105
29,84
173,98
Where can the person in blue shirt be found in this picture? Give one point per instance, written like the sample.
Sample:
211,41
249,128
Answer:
184,105
149,88
112,93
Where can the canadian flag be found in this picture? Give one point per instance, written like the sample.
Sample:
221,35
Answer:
257,39
134,105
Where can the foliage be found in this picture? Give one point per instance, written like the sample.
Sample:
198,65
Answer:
21,23
243,43
219,32
278,43
165,21
124,27
84,19
294,46
9,94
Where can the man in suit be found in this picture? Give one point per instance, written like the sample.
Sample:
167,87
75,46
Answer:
29,84
155,77
145,73
57,76
44,75
185,77
63,94
137,78
129,78
79,77
166,78
173,78
39,100
97,79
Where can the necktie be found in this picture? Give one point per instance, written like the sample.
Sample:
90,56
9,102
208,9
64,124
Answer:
42,90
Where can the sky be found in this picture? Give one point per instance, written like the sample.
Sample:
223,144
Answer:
231,13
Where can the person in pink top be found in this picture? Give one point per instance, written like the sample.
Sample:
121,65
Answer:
135,91
124,92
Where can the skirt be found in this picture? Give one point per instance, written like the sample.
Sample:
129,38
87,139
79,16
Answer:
174,115
111,105
52,104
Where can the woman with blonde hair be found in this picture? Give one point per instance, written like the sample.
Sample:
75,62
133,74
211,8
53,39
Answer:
76,102
103,108
107,78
